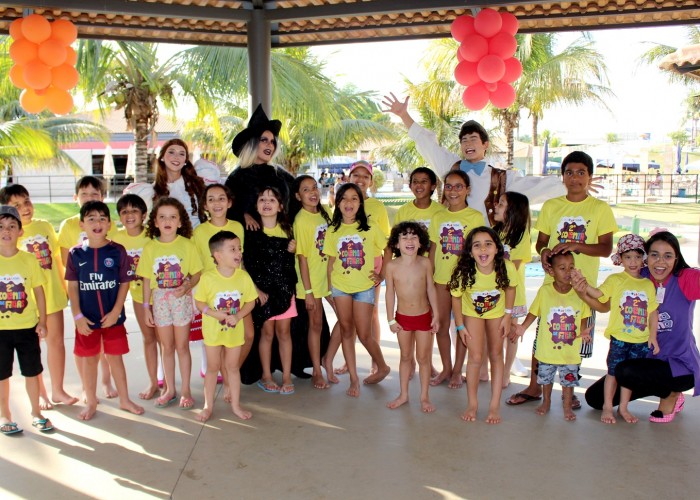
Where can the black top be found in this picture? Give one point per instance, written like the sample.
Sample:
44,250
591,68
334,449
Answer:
246,183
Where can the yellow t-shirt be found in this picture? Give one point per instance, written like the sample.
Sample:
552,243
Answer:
204,232
423,216
134,246
224,294
310,233
70,234
483,299
523,253
631,302
39,239
275,232
448,231
19,275
558,335
167,264
576,222
355,252
377,215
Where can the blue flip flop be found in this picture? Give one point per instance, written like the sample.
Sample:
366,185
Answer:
270,387
167,403
43,424
9,428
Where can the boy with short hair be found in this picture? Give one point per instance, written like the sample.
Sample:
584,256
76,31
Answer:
23,305
39,239
422,182
562,322
98,281
409,277
225,295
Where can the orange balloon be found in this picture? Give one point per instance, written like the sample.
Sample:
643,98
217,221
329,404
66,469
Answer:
71,56
52,52
64,77
31,102
16,29
16,76
37,74
58,101
22,51
36,28
64,30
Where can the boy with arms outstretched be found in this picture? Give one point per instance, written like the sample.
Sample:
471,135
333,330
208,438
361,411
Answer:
409,278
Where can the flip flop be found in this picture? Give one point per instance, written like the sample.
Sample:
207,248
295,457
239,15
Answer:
659,418
270,387
9,428
287,389
186,403
526,398
164,403
43,424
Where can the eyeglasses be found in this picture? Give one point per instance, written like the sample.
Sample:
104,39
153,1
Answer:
454,187
668,257
470,140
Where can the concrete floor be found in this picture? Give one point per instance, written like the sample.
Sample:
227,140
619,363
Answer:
323,444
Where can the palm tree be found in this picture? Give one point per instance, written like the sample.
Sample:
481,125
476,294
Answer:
659,50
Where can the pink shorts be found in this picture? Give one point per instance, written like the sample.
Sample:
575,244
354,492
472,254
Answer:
111,340
420,323
169,310
289,313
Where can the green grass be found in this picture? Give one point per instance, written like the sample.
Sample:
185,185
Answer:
56,213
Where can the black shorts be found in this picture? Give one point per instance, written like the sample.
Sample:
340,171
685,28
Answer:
26,343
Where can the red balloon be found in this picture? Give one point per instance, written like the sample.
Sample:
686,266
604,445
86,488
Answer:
460,57
491,68
36,28
16,29
491,86
461,27
465,73
487,22
475,97
474,47
509,23
513,70
503,96
503,45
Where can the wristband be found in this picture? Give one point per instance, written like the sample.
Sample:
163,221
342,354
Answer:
205,310
308,291
545,248
392,322
508,311
459,328
146,305
78,316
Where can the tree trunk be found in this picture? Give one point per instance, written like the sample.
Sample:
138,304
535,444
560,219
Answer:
535,121
510,120
141,141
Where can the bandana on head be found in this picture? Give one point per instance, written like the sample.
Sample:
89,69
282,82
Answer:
625,244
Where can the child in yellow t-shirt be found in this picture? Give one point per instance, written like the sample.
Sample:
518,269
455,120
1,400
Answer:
422,182
225,295
39,238
132,212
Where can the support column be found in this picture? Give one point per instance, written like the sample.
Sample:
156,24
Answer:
259,62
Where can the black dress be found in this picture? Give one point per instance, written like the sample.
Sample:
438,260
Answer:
246,183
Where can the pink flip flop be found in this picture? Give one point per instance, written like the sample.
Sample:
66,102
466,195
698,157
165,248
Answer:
680,403
659,418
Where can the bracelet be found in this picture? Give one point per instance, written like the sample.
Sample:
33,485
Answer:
308,291
508,311
459,328
392,322
78,316
146,305
205,310
545,248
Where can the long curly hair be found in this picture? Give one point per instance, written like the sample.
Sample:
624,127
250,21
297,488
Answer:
360,218
282,218
295,205
185,228
516,220
193,183
408,227
464,274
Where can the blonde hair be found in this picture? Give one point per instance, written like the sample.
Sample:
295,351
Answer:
249,153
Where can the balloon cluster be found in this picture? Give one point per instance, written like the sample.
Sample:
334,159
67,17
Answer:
44,63
486,63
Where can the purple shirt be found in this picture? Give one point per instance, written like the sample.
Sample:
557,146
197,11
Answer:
99,273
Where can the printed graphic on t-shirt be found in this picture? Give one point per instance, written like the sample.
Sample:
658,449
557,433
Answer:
665,322
424,222
39,246
351,252
485,301
168,271
633,307
451,238
572,229
506,251
320,239
134,255
13,296
562,325
228,302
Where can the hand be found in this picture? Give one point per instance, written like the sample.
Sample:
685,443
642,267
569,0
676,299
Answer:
231,320
310,302
83,325
434,324
504,327
376,278
394,105
586,335
182,290
464,336
109,319
566,247
516,331
292,247
594,186
41,330
250,223
544,259
654,345
396,328
149,318
262,297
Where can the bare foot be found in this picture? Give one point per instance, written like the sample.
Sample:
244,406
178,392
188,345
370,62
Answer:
341,371
413,369
373,369
542,409
87,413
319,382
203,415
392,405
148,392
629,418
494,417
440,378
353,391
607,416
484,373
131,407
63,398
330,375
241,413
227,394
569,415
377,376
109,391
456,381
469,415
45,403
506,380
427,406
433,372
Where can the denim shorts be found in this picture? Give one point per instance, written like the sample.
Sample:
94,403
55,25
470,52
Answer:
621,351
366,296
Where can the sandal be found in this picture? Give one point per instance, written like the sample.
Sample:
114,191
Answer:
268,386
43,424
287,389
163,402
659,418
680,403
186,403
575,403
525,398
9,428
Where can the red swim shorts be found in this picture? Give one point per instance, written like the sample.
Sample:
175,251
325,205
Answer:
111,340
420,323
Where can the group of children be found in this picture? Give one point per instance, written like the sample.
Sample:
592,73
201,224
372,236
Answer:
438,261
